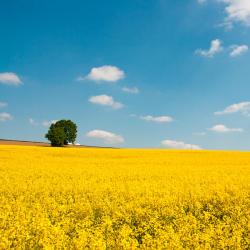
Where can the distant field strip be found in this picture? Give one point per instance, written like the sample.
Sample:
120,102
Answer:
69,198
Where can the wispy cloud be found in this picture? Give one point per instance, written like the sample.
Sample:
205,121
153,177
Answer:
106,136
157,119
105,73
105,100
220,128
3,104
4,117
133,90
237,50
9,78
215,48
45,123
201,1
238,11
242,107
33,122
48,123
179,145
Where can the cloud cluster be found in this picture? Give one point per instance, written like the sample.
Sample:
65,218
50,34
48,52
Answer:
238,11
237,50
215,48
157,119
105,100
107,137
43,123
179,145
133,90
9,78
242,107
220,128
105,73
5,117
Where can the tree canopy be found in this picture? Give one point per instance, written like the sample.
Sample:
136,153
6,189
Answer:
62,133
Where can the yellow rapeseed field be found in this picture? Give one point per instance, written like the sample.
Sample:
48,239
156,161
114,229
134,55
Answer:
76,198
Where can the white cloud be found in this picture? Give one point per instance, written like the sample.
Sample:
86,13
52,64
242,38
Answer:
201,1
237,11
48,123
43,123
80,78
237,50
179,145
3,104
220,128
107,137
105,100
5,117
105,73
215,48
33,122
242,107
10,78
133,90
159,119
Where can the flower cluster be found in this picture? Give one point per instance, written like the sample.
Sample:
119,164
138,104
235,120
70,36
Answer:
57,198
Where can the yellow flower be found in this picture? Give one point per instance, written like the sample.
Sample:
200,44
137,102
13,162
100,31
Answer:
57,198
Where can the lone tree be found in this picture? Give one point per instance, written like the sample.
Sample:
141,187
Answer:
62,133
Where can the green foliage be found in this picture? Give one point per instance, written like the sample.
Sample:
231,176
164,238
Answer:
62,133
70,130
56,136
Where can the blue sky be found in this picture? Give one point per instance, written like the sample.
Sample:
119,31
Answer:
135,73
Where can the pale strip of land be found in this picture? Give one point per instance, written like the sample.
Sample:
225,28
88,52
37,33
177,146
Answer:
23,143
40,144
